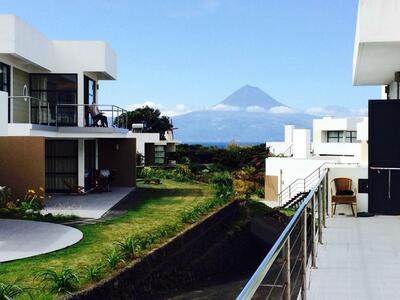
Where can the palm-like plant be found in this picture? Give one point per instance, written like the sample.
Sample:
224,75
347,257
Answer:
113,258
9,291
128,247
61,282
94,273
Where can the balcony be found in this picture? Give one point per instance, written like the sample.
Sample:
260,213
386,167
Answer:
30,110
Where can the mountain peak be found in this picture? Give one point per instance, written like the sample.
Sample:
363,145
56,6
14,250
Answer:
251,96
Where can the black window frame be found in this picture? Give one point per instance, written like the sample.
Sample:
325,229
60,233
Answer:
334,136
7,84
351,136
68,110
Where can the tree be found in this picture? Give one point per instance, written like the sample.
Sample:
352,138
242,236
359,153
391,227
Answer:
150,118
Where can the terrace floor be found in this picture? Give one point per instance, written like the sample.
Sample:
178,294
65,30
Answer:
92,205
360,259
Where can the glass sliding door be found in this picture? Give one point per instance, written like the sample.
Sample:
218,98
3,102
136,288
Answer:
57,89
61,165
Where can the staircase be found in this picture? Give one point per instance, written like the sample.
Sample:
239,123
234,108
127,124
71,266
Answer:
296,200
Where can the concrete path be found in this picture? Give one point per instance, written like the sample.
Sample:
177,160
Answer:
92,205
20,238
360,259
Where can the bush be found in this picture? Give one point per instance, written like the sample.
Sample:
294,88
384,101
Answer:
63,282
9,291
113,258
182,173
127,247
222,183
94,273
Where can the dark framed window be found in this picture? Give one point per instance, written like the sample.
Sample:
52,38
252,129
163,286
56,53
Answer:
5,78
335,136
61,165
351,136
57,89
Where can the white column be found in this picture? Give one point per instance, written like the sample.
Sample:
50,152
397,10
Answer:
80,93
81,162
3,113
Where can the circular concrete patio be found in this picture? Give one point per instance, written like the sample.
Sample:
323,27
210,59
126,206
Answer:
20,238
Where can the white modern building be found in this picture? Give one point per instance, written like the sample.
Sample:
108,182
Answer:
339,144
154,149
53,126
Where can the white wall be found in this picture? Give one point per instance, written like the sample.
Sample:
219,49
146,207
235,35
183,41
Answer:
301,147
292,168
143,138
353,149
3,113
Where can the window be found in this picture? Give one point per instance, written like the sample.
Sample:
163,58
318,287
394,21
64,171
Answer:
335,137
5,78
61,165
159,155
351,136
57,89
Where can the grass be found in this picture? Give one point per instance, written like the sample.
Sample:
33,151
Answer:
160,210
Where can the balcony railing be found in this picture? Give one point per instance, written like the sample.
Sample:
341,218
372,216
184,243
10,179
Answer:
74,114
30,110
283,272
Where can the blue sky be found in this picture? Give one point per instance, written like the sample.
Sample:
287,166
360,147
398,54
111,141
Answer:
191,54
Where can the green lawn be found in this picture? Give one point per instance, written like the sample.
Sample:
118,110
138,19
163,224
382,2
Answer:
159,205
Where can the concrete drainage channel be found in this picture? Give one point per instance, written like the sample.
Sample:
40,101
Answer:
220,250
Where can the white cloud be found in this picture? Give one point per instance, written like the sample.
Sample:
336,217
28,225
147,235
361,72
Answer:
224,107
255,108
281,110
176,110
337,111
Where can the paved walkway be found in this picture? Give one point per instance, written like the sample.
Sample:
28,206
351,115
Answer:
92,205
20,239
360,259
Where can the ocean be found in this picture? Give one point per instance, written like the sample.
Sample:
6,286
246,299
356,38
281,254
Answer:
223,144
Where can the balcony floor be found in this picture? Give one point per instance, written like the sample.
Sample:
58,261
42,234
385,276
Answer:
360,259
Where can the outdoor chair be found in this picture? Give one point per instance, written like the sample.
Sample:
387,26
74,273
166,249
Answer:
74,189
98,118
343,192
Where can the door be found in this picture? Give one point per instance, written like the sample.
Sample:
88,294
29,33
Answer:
61,165
89,97
384,157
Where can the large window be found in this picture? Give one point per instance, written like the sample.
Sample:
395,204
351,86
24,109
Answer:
351,136
61,165
5,78
159,155
335,137
57,89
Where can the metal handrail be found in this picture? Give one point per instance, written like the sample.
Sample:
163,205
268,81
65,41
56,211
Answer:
257,278
115,110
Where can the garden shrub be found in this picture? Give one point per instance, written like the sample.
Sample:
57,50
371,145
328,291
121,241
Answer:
65,281
222,183
182,173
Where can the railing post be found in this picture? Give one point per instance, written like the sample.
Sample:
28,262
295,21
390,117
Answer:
286,274
326,200
313,243
48,114
290,192
323,203
112,115
304,265
29,110
320,189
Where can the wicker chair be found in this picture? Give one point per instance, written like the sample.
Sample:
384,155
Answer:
343,192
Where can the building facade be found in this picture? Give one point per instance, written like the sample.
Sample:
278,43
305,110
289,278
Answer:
54,130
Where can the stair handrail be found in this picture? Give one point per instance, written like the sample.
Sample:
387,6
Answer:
291,190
